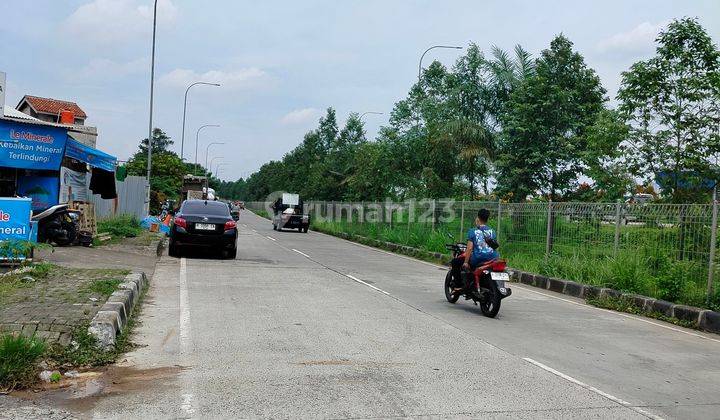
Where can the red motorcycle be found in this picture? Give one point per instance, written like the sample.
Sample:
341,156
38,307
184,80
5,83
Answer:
488,284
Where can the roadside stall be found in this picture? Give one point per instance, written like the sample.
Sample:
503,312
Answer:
40,161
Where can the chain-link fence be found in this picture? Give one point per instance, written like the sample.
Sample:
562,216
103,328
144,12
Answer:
682,234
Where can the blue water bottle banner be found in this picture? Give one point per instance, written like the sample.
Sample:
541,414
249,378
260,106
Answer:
29,146
15,218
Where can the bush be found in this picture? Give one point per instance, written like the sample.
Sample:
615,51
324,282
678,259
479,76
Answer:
124,226
18,358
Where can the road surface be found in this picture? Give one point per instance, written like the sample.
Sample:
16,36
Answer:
308,325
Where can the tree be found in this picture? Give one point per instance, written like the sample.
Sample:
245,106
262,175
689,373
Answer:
161,142
544,130
167,169
672,103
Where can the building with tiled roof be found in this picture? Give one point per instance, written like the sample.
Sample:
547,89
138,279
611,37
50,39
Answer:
49,110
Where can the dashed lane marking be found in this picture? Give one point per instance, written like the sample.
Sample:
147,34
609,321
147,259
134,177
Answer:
302,253
367,284
593,389
271,238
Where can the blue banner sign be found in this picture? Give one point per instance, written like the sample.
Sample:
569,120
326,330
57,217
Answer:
87,154
31,146
14,218
42,190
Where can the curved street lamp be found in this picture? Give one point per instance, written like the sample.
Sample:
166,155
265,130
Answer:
182,141
197,136
207,150
451,47
211,163
369,112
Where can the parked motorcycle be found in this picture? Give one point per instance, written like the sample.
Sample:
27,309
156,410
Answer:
488,283
59,224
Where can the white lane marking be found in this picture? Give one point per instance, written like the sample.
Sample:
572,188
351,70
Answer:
367,284
185,329
189,404
301,253
592,389
636,318
271,238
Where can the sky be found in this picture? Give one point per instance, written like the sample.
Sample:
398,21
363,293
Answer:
282,63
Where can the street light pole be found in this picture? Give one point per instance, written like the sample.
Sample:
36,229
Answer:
152,86
197,136
207,150
182,141
426,51
217,167
208,171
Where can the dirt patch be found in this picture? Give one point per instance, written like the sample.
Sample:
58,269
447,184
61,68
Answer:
348,362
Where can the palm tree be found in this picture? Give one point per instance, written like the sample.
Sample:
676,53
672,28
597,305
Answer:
475,147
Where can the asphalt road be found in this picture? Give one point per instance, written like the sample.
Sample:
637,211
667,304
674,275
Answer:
307,326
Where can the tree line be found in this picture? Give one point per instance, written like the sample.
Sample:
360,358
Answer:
506,125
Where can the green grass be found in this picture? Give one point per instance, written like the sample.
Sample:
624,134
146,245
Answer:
104,287
123,226
10,283
18,360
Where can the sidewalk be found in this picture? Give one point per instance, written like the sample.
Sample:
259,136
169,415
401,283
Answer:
52,299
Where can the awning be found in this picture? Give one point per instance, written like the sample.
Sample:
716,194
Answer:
95,158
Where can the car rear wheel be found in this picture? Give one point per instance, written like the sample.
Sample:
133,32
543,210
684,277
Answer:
231,254
173,249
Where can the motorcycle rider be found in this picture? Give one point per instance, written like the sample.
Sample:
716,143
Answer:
481,247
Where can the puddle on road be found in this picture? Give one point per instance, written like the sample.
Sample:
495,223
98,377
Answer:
82,393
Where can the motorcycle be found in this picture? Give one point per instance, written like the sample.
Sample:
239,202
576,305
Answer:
58,224
488,283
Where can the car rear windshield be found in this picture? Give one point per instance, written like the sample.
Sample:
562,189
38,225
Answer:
210,208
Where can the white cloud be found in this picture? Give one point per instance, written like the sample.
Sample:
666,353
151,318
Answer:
104,22
108,69
639,39
237,79
300,116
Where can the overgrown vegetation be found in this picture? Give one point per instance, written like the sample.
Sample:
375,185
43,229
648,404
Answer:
123,226
103,287
18,360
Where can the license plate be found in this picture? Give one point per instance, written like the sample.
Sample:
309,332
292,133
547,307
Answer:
204,226
500,276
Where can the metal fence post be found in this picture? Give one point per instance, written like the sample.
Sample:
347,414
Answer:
548,235
497,228
713,240
433,215
462,218
617,229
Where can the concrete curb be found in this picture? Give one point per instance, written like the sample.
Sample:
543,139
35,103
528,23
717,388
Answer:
703,319
115,313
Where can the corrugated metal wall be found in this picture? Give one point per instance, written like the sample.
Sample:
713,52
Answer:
131,199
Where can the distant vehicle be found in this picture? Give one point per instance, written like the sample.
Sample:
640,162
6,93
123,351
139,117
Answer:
203,223
234,211
289,213
193,188
640,198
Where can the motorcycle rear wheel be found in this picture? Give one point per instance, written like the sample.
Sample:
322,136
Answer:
449,287
490,306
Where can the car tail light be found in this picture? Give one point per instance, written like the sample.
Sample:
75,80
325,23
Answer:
180,222
230,224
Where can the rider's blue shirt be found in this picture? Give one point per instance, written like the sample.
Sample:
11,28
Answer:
481,250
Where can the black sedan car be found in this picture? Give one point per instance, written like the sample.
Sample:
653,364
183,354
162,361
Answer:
203,223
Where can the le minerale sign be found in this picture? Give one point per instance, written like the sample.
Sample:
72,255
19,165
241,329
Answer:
14,218
31,146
